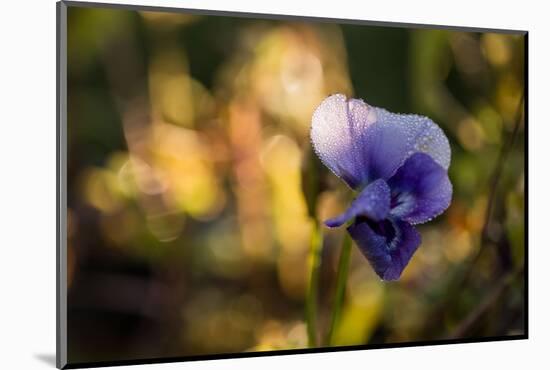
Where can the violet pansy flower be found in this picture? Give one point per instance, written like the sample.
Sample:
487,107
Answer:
398,165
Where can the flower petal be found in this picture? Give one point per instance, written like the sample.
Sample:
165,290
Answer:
361,143
373,203
421,189
395,137
336,126
388,244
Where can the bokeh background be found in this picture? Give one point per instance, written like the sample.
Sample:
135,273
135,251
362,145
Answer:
193,193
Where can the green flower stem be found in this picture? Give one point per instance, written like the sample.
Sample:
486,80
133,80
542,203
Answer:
313,286
341,279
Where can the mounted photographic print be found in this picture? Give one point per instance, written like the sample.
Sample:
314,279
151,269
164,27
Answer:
234,184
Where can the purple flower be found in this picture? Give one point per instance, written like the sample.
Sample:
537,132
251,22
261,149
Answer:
397,162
